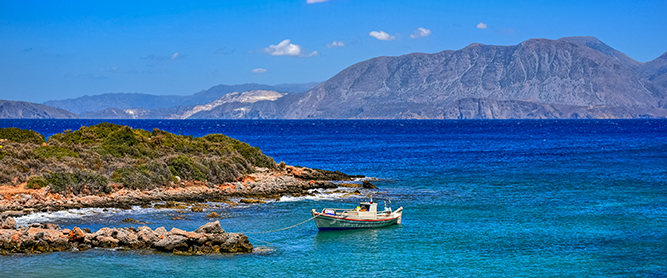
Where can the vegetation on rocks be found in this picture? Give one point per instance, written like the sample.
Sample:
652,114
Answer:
21,135
88,160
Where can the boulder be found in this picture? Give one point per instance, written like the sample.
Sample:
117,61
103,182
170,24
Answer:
147,236
210,228
161,232
176,231
107,242
368,184
171,242
76,234
9,223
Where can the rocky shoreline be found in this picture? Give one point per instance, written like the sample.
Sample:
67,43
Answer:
210,238
263,184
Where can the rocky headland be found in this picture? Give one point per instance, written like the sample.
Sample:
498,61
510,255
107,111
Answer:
263,184
210,238
112,166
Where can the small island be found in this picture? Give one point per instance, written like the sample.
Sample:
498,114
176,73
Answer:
109,165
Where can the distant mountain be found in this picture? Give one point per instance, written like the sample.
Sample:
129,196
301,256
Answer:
539,73
573,77
28,110
655,74
146,101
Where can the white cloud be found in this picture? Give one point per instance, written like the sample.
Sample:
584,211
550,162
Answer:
259,70
335,44
381,35
285,48
175,56
421,32
315,1
481,25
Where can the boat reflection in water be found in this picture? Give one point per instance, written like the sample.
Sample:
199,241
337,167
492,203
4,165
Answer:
364,216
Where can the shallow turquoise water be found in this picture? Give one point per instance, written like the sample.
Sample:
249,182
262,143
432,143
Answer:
481,198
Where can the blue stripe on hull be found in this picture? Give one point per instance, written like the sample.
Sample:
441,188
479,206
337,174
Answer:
326,223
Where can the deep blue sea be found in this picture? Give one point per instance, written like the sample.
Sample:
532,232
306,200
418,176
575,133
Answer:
501,198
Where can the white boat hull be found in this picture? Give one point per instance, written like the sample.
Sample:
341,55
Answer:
328,222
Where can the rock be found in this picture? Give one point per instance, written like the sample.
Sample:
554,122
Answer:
147,236
171,242
187,234
129,220
251,201
9,223
212,215
76,235
196,209
368,184
210,228
161,231
107,242
51,226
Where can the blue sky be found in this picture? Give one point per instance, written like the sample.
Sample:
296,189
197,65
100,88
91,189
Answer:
66,49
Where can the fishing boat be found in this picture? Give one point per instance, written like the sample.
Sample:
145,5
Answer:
366,215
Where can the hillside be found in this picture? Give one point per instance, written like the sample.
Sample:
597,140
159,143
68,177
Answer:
534,77
85,160
28,110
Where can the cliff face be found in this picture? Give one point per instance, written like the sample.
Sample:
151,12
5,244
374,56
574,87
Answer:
28,110
570,72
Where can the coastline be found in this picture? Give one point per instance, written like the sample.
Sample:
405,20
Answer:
263,184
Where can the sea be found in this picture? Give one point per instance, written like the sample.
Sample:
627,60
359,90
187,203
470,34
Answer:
481,198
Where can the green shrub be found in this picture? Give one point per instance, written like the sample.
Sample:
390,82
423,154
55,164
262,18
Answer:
21,135
54,151
81,181
145,176
60,181
187,169
87,135
36,182
254,155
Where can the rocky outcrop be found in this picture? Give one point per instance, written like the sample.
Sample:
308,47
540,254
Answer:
264,183
319,174
210,238
28,110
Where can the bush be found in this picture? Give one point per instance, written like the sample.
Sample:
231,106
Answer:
145,176
254,155
187,169
54,151
21,135
81,181
61,181
86,135
36,182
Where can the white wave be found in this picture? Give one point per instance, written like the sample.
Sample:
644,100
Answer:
366,179
54,216
329,194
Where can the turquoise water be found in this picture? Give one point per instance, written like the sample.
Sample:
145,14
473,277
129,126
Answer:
481,198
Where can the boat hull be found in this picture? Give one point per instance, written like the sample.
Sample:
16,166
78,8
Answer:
327,222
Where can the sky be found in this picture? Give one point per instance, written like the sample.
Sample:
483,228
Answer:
66,49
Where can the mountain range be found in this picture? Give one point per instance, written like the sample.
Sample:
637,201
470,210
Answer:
572,77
